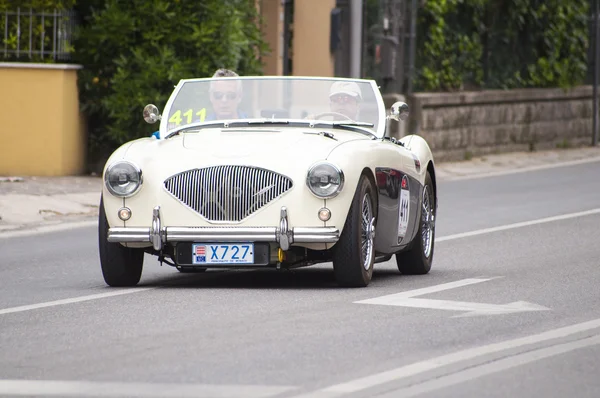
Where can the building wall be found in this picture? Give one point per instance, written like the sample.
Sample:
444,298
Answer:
41,128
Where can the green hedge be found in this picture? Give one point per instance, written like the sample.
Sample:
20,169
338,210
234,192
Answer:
37,32
467,44
135,51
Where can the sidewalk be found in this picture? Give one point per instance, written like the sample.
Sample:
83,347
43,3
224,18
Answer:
31,202
27,202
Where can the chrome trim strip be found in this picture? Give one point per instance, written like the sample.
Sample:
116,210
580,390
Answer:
128,235
316,234
225,234
220,234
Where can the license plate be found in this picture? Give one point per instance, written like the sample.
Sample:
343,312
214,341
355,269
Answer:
223,253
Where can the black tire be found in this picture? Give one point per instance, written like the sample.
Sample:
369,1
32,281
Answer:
190,270
348,258
121,266
416,260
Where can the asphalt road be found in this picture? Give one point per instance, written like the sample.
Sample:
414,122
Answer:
510,308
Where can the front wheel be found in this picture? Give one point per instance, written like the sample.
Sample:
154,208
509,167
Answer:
417,260
121,266
354,253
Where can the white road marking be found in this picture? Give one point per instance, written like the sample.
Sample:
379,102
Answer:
428,365
407,299
45,388
521,169
493,367
74,300
518,225
47,228
441,239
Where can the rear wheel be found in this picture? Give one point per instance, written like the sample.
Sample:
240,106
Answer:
417,260
121,266
354,253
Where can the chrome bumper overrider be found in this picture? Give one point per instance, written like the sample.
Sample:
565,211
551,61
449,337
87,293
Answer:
159,235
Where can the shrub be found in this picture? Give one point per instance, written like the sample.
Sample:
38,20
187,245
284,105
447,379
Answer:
502,44
135,51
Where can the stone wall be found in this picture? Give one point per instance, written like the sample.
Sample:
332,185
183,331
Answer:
464,124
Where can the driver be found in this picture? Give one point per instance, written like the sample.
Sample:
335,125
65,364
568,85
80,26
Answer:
225,96
345,98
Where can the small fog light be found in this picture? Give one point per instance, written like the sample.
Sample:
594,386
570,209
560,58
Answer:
324,214
124,213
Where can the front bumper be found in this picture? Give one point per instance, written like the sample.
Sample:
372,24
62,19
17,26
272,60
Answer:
285,236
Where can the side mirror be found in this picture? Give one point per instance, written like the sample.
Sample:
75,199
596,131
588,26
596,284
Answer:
151,114
399,111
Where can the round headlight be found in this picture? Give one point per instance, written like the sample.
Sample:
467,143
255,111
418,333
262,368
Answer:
325,180
123,179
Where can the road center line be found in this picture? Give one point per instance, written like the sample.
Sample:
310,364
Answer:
494,367
499,173
518,225
428,365
73,300
116,389
44,229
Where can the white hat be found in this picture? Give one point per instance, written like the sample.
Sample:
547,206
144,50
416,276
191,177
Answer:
349,88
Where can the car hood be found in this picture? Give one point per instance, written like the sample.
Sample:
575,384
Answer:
288,150
261,143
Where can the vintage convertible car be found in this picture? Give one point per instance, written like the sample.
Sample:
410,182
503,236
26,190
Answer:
270,171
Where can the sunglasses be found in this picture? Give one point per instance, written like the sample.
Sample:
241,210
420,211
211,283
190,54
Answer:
219,95
343,99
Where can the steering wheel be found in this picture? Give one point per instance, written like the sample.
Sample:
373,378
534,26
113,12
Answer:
319,115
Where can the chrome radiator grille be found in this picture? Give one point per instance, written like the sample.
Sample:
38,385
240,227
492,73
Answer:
227,193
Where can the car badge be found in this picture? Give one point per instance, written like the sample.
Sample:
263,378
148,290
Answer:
264,190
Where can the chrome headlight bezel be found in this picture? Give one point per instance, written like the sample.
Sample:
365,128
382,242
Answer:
135,169
334,169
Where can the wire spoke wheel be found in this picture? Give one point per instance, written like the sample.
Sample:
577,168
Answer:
367,232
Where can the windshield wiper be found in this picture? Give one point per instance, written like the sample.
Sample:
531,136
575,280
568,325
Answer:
323,133
226,124
269,121
365,124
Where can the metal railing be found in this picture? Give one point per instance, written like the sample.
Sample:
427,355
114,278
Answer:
31,35
389,43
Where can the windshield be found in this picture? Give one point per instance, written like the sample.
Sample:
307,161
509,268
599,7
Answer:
298,99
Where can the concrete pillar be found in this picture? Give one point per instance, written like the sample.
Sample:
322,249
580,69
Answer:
272,28
311,56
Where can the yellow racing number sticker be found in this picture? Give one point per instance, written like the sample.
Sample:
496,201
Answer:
176,118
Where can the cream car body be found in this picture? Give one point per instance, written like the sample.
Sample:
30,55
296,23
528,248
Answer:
221,162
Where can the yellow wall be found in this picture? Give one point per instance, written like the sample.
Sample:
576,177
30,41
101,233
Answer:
41,128
311,56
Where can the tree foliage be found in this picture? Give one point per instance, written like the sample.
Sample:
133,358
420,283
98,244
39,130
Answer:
135,51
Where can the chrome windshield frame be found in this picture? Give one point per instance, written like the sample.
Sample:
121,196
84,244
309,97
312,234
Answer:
163,132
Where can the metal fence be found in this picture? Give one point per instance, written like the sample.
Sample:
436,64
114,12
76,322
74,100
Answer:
31,35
